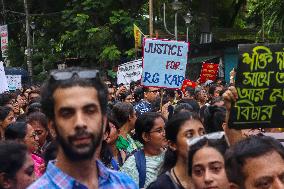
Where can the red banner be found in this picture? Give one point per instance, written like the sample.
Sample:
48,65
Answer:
209,71
187,83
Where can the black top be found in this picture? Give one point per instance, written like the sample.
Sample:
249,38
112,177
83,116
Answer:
164,181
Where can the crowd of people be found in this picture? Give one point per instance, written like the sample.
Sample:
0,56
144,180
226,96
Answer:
79,131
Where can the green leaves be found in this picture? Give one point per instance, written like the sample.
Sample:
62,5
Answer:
110,53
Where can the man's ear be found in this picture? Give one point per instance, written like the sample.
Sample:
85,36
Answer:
104,123
146,137
51,128
5,182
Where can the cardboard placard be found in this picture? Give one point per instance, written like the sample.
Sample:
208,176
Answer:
260,86
130,71
164,63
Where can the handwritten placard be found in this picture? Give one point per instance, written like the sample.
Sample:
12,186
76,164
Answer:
209,71
14,82
164,63
130,71
260,86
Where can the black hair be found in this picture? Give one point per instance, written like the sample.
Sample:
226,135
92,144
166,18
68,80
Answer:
50,151
5,98
122,96
190,90
214,117
34,107
38,117
12,158
251,147
16,131
51,85
145,123
172,129
4,112
183,106
218,144
138,94
193,103
121,112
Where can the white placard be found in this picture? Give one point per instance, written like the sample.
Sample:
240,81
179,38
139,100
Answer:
4,40
130,71
3,79
14,82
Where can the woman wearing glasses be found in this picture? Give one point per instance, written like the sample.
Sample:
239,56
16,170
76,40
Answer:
144,164
206,164
181,128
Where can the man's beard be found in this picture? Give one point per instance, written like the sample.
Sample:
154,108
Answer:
79,152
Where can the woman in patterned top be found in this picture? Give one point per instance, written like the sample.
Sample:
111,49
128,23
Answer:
149,130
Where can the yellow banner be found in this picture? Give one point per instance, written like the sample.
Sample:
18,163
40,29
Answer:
137,37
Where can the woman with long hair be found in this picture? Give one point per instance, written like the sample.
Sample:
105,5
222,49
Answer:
181,128
144,164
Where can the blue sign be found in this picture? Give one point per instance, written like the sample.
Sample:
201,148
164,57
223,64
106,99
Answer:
164,63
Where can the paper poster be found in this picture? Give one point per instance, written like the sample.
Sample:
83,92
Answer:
14,82
130,71
164,63
3,79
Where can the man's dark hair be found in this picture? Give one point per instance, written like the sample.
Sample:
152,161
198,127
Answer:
12,158
251,147
47,100
121,112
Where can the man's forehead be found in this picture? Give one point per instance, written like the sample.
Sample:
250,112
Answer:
75,95
264,165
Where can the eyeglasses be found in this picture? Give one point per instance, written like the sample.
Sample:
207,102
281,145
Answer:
83,74
215,136
159,130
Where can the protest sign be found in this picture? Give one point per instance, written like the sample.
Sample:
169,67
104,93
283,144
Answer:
187,83
209,71
3,79
4,40
14,82
164,63
130,71
260,86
